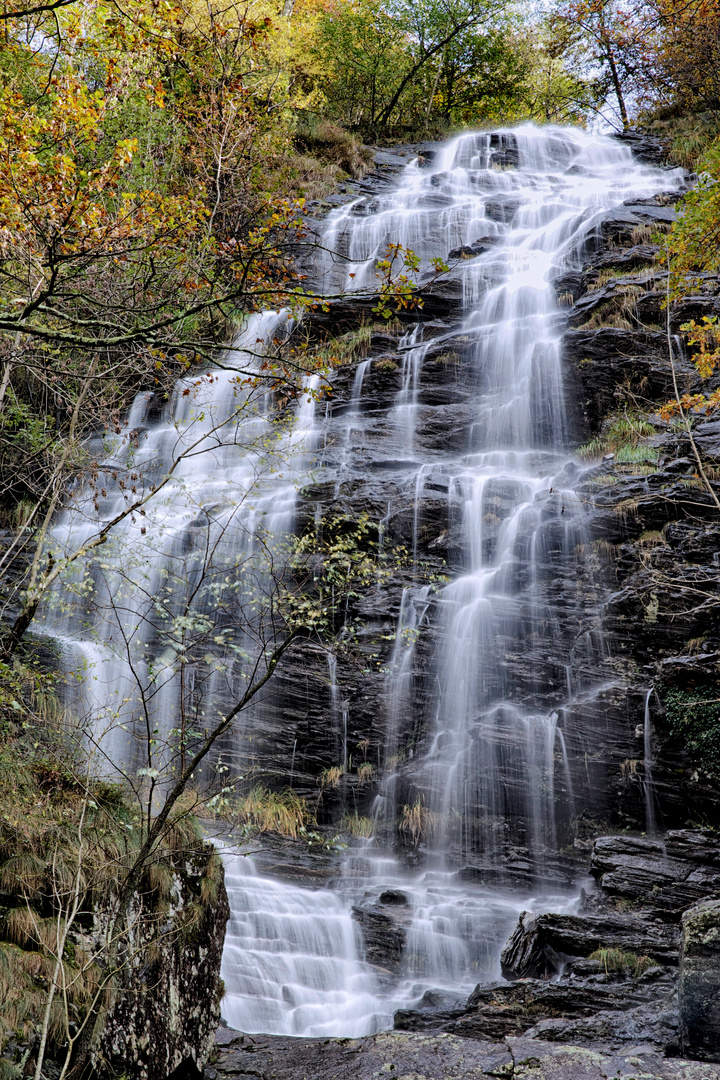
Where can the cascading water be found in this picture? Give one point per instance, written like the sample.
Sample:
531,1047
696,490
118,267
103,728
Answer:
291,963
478,747
648,782
169,573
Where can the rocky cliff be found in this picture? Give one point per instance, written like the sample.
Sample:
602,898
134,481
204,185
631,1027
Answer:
632,599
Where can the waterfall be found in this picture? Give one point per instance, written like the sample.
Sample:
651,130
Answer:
493,771
479,744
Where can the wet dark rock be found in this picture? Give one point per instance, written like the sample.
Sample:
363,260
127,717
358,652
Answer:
594,302
681,465
471,251
645,147
635,257
505,159
694,307
502,209
700,981
505,153
653,1027
442,1056
707,436
617,226
666,875
572,283
462,252
605,364
527,1005
441,297
651,211
541,944
431,1019
383,937
394,897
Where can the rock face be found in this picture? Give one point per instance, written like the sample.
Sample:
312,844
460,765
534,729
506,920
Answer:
700,981
595,993
648,544
383,938
165,1014
437,1057
669,875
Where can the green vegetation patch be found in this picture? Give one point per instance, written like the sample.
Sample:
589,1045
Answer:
263,810
693,718
626,436
67,843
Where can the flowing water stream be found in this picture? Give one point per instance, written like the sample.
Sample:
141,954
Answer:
492,767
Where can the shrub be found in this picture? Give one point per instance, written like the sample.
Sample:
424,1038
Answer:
693,717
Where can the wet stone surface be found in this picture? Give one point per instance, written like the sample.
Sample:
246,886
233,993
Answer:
436,1057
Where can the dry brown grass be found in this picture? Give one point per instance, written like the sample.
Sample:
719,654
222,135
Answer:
331,776
356,825
282,812
417,821
365,771
41,805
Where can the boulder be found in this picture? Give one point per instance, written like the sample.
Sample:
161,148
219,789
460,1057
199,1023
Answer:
700,981
394,896
540,945
163,1023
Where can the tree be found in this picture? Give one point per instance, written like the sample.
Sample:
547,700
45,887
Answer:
683,65
125,258
365,42
601,39
383,64
481,76
693,251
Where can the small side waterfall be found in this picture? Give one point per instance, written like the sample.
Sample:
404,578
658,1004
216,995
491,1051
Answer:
648,782
487,670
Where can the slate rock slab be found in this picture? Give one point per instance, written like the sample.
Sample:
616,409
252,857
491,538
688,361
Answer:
540,944
392,1055
409,1056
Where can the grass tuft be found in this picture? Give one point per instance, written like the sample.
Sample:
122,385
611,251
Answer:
283,812
417,821
355,825
622,963
332,776
626,436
